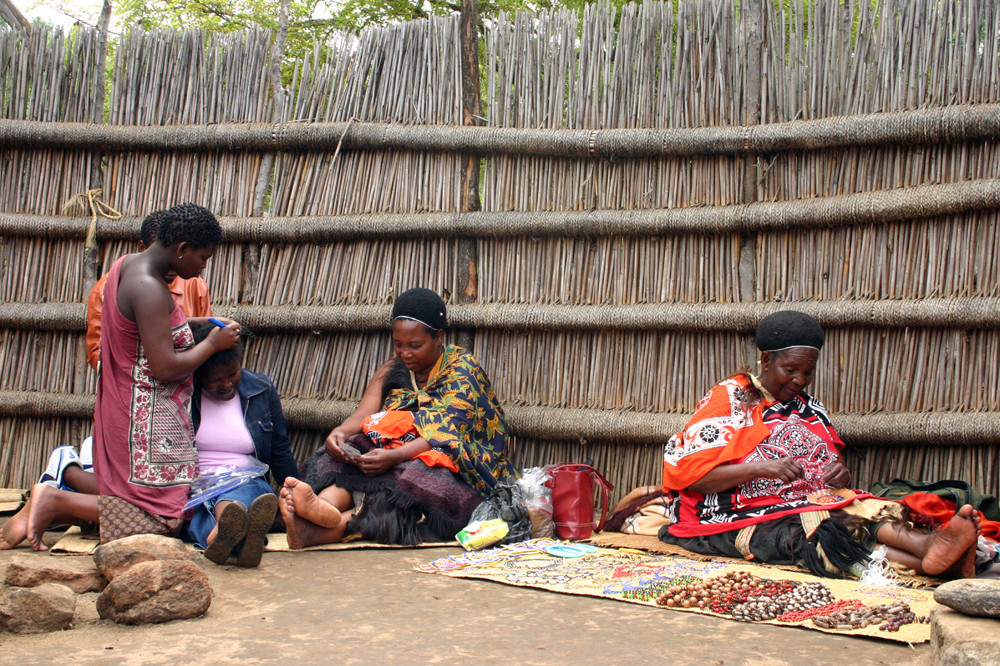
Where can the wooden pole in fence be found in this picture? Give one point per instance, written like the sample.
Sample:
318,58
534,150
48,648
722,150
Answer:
468,254
251,263
92,257
752,25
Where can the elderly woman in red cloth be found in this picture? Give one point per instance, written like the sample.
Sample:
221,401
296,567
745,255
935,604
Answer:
759,474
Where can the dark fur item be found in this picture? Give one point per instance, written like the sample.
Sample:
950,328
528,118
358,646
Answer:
831,546
382,522
830,552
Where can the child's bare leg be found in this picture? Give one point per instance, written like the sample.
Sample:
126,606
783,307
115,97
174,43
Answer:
79,480
908,560
50,505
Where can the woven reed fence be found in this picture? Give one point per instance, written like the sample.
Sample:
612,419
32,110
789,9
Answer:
653,181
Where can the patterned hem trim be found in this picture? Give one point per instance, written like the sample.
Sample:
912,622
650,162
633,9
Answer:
743,541
811,520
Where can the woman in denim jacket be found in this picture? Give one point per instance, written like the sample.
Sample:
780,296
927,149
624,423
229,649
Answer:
229,431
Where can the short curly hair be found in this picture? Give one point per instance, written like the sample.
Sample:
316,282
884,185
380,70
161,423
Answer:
200,331
189,223
151,226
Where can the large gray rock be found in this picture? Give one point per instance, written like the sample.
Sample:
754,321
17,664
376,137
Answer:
35,610
79,575
158,591
972,596
120,555
960,640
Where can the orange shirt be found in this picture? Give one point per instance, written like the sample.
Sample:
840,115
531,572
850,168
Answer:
191,296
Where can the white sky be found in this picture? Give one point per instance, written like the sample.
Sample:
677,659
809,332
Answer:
61,12
68,12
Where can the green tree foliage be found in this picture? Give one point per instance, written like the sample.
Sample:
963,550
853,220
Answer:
309,20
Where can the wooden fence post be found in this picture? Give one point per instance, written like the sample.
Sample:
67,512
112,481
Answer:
92,256
468,254
251,264
752,17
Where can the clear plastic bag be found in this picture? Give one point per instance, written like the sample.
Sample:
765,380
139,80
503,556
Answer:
537,498
506,503
224,479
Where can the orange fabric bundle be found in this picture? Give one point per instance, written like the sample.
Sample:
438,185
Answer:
940,511
394,427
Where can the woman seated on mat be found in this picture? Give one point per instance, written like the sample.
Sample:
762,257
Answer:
420,452
759,474
237,416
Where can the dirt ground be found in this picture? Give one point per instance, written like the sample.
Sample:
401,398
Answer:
370,606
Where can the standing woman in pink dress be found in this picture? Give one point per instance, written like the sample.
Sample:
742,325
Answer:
144,455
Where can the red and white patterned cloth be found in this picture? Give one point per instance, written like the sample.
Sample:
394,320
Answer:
731,427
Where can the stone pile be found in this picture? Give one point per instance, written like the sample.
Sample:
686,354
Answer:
967,633
142,579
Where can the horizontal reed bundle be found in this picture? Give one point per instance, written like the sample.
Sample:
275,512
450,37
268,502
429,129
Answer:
944,313
956,313
30,404
879,429
863,208
953,124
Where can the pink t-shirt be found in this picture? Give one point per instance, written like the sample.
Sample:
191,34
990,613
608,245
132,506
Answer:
222,438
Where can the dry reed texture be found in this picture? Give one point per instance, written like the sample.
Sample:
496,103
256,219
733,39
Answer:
660,66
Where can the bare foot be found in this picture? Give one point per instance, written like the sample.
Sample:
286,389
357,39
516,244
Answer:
15,529
41,512
295,527
307,505
300,532
951,548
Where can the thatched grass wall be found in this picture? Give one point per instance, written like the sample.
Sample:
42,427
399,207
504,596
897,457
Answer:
610,278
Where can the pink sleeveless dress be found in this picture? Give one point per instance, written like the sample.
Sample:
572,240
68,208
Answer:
144,449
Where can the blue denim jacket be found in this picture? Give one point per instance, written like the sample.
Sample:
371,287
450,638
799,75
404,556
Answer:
265,421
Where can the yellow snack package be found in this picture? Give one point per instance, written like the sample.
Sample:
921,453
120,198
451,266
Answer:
479,534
